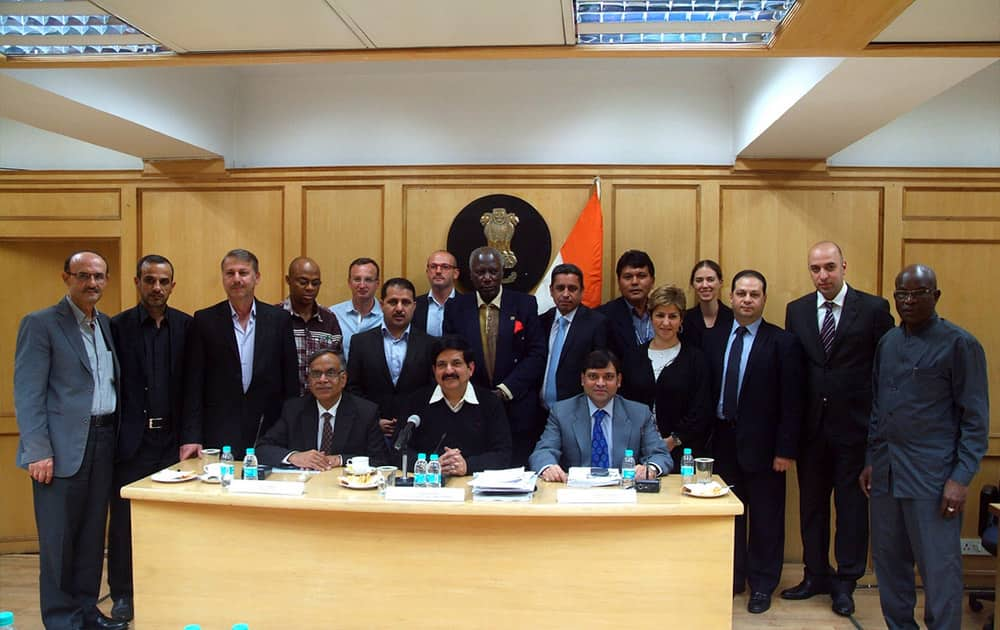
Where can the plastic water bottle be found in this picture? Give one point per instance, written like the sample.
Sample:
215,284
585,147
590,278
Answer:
420,470
7,620
228,468
687,467
250,465
434,472
628,469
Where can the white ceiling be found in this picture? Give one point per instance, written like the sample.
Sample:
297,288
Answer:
945,21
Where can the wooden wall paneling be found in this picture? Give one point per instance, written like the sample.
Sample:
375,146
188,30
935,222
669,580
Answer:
971,204
429,209
195,228
771,230
294,232
394,234
893,232
342,223
130,251
60,203
709,215
37,266
661,220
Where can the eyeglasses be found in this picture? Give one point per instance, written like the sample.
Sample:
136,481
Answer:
441,267
330,374
916,294
83,276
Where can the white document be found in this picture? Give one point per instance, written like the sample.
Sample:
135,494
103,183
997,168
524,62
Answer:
581,495
284,488
580,477
404,493
510,481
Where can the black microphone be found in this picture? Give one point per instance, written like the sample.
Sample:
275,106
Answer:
407,432
260,425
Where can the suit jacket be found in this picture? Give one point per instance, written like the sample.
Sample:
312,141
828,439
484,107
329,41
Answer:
622,338
420,313
355,430
520,356
839,387
368,374
54,388
694,331
769,410
216,410
127,331
681,393
566,439
588,332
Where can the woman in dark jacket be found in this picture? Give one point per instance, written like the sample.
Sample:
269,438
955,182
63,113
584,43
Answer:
709,315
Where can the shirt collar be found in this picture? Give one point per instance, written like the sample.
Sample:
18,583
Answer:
234,314
495,301
376,308
569,316
332,410
431,297
144,315
468,397
388,335
923,329
837,299
608,408
752,327
317,309
81,318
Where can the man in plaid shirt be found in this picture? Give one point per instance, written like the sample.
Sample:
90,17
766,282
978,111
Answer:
314,327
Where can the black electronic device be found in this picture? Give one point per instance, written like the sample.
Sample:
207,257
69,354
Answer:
599,472
647,485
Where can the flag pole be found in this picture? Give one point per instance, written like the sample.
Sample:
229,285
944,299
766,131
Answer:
597,184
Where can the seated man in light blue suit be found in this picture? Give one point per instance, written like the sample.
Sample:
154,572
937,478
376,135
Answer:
594,428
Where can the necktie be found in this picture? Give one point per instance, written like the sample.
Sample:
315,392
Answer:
327,442
731,389
598,443
829,329
550,394
489,314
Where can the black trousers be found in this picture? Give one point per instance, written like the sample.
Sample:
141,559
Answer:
825,468
157,451
70,514
760,531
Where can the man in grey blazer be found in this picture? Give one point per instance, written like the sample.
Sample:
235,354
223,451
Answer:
66,399
594,428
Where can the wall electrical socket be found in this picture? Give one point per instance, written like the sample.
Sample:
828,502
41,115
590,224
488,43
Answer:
973,547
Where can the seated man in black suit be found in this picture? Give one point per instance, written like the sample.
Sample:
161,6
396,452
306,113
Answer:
571,331
327,426
467,424
391,361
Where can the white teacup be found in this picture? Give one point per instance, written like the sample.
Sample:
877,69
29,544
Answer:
358,466
214,470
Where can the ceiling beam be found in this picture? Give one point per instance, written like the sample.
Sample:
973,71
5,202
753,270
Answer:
70,7
835,27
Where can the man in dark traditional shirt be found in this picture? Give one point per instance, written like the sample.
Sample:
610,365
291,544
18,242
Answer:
313,326
464,424
927,435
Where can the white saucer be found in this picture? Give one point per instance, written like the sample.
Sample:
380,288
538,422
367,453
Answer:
174,476
369,471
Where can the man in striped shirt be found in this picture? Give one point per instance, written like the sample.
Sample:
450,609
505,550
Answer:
313,326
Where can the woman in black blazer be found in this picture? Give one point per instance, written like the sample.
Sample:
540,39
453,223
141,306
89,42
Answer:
709,315
672,378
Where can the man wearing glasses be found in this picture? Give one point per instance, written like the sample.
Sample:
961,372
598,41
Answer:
359,314
927,435
313,326
327,426
442,273
66,379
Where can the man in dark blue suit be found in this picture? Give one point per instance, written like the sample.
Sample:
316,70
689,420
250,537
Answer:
501,326
442,273
571,331
757,385
150,339
628,319
241,364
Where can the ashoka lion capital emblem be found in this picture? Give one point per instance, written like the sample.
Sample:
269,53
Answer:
498,226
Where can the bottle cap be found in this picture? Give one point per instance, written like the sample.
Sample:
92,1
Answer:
227,449
628,452
240,626
192,626
421,455
250,450
687,451
434,457
6,618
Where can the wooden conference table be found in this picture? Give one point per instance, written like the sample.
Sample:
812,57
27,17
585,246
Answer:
340,558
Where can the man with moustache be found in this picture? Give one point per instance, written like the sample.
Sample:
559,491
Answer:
66,394
927,435
757,384
508,348
240,364
359,313
393,360
150,339
442,273
325,427
572,330
838,327
628,317
313,326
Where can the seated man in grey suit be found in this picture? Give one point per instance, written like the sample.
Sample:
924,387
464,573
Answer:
327,426
594,428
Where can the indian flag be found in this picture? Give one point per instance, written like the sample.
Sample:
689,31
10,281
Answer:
584,247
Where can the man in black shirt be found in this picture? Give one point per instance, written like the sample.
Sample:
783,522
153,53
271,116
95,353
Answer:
150,341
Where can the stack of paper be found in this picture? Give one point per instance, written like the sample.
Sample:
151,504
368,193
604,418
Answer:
510,484
285,488
580,477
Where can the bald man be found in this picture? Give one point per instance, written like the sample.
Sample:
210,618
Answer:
442,273
315,328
